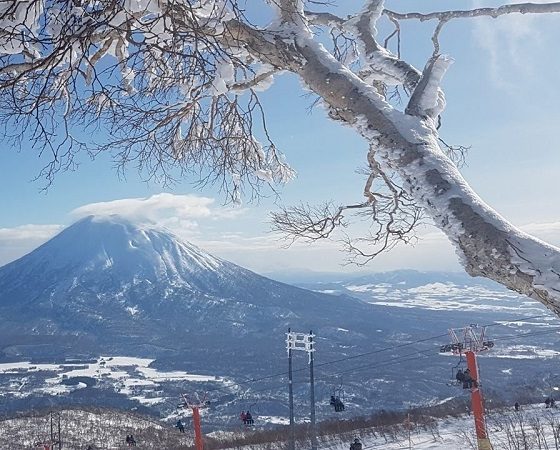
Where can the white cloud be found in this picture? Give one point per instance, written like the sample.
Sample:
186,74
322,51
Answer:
29,232
154,208
182,214
16,242
510,42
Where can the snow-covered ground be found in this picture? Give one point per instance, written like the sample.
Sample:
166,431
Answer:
534,427
129,375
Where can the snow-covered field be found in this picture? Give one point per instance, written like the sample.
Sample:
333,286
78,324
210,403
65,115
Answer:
130,376
444,296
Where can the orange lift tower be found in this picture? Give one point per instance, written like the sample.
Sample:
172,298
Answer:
195,408
470,341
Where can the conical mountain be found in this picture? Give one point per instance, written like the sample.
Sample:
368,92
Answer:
113,284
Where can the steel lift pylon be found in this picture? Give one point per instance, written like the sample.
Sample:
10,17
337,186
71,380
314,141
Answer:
470,341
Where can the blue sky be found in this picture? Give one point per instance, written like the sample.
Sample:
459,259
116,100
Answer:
503,98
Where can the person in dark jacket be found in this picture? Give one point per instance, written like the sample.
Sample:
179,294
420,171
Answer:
356,445
179,425
468,380
460,376
249,418
516,406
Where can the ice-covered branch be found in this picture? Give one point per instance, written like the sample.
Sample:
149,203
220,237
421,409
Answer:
260,81
519,8
379,64
488,245
163,76
365,24
428,100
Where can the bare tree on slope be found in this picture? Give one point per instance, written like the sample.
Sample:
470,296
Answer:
174,83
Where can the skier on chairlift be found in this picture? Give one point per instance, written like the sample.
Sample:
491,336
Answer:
249,419
468,380
339,405
460,376
179,425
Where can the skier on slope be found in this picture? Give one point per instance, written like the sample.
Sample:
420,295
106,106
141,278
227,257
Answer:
356,445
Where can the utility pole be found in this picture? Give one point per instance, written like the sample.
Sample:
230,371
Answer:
303,342
409,427
470,341
291,395
55,430
312,394
59,434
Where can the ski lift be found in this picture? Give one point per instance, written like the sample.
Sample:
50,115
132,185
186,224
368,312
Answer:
336,400
464,340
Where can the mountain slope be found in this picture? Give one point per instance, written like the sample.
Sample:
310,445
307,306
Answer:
116,284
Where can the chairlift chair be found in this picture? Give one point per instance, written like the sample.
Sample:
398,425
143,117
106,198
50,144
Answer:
251,421
337,397
455,369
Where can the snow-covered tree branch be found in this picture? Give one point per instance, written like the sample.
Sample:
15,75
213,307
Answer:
174,84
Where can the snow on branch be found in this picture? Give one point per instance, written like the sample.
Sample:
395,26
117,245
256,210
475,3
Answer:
173,83
519,8
377,63
428,100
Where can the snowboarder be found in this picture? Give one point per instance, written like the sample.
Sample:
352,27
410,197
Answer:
179,425
460,376
547,402
243,417
356,445
516,406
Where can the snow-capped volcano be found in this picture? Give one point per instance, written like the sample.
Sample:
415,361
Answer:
97,250
120,284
